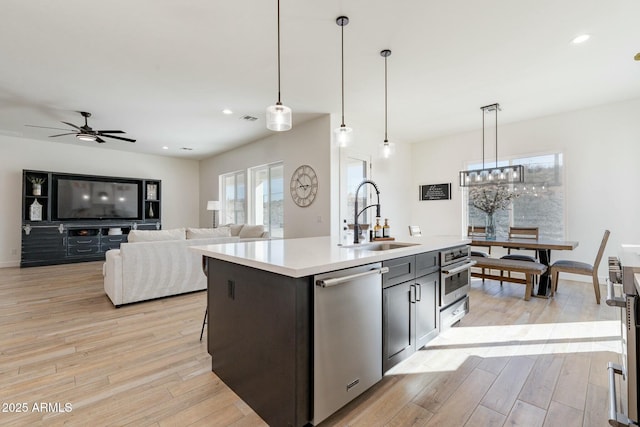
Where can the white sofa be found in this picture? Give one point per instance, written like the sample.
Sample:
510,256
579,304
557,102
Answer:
159,263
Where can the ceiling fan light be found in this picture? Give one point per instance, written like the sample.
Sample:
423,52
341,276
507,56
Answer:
343,135
86,137
278,117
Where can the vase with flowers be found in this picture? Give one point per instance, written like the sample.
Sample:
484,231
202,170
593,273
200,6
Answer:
490,199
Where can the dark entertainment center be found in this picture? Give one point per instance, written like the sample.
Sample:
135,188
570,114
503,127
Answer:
73,218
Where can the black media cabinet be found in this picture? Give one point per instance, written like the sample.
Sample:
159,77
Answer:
47,240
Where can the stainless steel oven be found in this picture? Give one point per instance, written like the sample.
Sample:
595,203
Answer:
623,400
455,281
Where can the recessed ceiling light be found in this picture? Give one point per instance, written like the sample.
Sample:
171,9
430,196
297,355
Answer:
227,111
165,148
637,57
581,39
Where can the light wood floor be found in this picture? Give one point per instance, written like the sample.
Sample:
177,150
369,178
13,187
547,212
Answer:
511,362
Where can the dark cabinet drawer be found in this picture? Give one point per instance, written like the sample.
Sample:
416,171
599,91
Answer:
120,238
83,240
400,270
427,263
83,250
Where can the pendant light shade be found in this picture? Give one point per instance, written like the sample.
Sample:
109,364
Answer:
342,134
387,149
278,115
492,175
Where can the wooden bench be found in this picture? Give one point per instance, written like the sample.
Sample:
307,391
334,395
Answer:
530,269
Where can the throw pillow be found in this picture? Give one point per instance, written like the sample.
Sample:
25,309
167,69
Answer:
235,228
251,231
156,235
205,233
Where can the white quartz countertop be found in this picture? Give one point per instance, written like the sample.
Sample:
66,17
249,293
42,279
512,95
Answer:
314,255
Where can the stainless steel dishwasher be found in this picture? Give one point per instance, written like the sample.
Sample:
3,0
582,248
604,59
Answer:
347,349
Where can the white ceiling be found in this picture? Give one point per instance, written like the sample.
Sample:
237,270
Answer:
162,70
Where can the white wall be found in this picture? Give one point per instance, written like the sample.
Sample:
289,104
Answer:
306,143
180,178
311,143
601,149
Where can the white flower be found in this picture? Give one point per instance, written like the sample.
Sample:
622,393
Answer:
490,198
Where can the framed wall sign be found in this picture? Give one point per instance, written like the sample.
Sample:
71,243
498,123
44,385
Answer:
435,191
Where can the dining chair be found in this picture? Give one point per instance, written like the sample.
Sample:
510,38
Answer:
481,233
577,267
521,233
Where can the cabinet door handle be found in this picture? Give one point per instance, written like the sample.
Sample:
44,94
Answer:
419,289
412,294
83,241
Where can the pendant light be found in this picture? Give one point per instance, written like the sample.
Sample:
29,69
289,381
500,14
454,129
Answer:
492,175
387,149
278,115
342,134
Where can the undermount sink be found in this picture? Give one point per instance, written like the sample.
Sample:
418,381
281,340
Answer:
379,246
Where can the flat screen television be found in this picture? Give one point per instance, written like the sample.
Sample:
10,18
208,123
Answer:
85,198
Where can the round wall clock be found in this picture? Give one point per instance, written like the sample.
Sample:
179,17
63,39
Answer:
304,186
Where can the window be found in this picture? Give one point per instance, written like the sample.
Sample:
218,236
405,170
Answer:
356,173
234,203
267,197
539,202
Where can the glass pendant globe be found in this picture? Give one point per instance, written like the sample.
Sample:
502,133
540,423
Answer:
343,136
387,149
278,118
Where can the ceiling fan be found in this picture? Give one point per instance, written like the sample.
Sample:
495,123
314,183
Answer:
86,133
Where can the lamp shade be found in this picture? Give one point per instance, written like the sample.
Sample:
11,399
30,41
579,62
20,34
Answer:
213,205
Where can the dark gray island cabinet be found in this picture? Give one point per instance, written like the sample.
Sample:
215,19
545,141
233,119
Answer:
259,338
261,316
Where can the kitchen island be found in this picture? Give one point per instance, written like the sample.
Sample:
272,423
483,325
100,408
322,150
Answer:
261,301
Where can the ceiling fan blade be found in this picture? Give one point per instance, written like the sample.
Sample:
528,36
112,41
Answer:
63,134
45,127
100,140
72,125
110,131
119,137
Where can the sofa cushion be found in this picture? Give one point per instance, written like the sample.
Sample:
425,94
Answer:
204,233
156,235
251,231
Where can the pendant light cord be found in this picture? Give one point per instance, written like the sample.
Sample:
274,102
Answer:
385,100
342,50
483,113
497,135
279,102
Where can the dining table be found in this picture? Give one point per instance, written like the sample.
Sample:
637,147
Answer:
542,246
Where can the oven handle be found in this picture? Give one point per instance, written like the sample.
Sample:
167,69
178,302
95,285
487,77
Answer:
456,270
612,300
616,419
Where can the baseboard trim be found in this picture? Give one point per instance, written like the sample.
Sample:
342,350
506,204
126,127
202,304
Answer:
7,264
